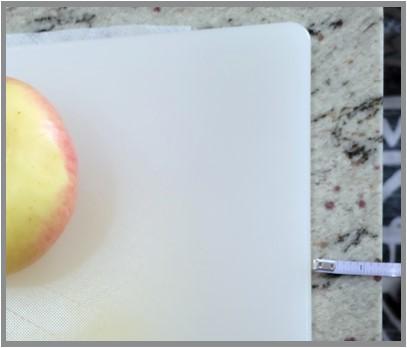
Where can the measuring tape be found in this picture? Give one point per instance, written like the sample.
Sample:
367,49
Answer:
357,268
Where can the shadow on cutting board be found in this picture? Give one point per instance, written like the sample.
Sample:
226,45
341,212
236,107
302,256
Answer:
90,222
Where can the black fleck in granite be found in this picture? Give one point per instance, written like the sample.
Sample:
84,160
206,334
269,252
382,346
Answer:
346,135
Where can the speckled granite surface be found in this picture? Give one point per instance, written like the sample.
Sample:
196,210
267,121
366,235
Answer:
346,136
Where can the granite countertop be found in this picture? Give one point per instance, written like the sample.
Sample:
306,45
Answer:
347,68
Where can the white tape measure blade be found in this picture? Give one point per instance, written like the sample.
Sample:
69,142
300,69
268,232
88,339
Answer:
360,268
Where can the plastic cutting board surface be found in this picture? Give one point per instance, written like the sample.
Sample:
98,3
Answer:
193,214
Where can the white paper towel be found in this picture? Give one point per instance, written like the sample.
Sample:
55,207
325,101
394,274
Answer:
88,34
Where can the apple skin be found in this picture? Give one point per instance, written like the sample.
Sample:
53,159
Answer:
41,175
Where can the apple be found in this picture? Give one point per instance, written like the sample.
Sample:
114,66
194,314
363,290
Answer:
41,175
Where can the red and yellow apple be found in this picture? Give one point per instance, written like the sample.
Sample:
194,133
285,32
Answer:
41,175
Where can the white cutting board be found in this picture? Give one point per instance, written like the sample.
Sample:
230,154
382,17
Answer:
193,216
